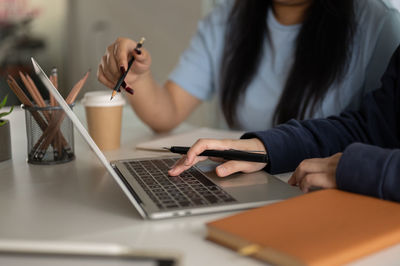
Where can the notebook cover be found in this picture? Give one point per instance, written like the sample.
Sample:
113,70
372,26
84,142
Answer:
326,227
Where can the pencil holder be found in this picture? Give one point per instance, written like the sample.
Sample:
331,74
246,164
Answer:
50,135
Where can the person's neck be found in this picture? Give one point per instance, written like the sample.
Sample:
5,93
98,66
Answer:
290,14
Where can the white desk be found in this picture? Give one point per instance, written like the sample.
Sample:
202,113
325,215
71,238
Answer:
79,201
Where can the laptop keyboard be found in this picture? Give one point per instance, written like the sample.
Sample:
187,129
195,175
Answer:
189,189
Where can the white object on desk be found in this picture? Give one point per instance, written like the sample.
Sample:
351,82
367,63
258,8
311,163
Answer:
188,138
20,252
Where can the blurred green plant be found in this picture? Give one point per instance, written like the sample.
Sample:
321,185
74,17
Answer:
3,114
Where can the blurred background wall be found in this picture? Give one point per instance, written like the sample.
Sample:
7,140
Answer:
73,35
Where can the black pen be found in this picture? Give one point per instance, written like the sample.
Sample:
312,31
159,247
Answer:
226,154
121,79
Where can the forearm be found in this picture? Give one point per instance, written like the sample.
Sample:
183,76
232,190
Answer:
151,103
370,170
160,107
295,141
156,105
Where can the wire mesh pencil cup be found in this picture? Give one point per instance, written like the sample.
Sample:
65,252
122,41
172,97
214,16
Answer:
50,135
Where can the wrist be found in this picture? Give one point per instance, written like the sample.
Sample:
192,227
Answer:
259,145
140,80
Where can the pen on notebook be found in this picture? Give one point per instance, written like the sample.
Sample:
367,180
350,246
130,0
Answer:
226,154
121,79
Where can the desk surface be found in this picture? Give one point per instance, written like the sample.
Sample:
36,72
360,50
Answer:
79,201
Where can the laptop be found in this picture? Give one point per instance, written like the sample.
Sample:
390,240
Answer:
49,253
155,195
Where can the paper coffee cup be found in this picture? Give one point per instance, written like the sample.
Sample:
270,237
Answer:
104,117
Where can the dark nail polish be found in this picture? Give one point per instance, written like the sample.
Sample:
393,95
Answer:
123,84
138,51
122,69
129,90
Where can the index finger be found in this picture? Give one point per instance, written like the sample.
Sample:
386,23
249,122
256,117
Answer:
141,57
206,144
180,166
122,52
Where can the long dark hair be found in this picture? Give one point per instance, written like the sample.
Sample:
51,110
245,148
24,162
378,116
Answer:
321,55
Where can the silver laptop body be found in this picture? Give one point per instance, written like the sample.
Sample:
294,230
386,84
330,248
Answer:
238,191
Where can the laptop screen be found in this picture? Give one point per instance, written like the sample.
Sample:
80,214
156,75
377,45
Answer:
82,130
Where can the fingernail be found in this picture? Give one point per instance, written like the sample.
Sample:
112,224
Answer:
123,84
129,90
139,52
221,169
122,69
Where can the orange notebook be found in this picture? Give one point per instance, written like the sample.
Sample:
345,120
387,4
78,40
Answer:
326,227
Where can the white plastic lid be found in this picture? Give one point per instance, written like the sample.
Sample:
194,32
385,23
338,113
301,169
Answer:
102,98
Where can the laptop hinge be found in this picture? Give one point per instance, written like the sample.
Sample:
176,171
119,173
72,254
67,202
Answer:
138,200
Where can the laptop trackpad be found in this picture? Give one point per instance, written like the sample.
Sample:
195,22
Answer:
254,187
235,180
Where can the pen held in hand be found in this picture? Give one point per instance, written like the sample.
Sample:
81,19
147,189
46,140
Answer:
225,154
122,78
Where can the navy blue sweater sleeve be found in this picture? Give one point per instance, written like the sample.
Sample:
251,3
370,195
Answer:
370,170
376,123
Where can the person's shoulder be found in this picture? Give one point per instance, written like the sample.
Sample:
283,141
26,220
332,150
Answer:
213,25
375,10
375,5
220,13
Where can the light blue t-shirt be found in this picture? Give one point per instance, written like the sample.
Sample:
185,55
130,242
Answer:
376,38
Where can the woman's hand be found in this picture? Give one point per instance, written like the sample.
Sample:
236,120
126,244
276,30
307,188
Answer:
227,168
115,62
316,173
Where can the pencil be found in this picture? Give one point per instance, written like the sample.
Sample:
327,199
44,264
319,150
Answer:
49,134
40,102
18,91
33,90
76,89
53,127
121,79
54,80
58,152
57,147
27,102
